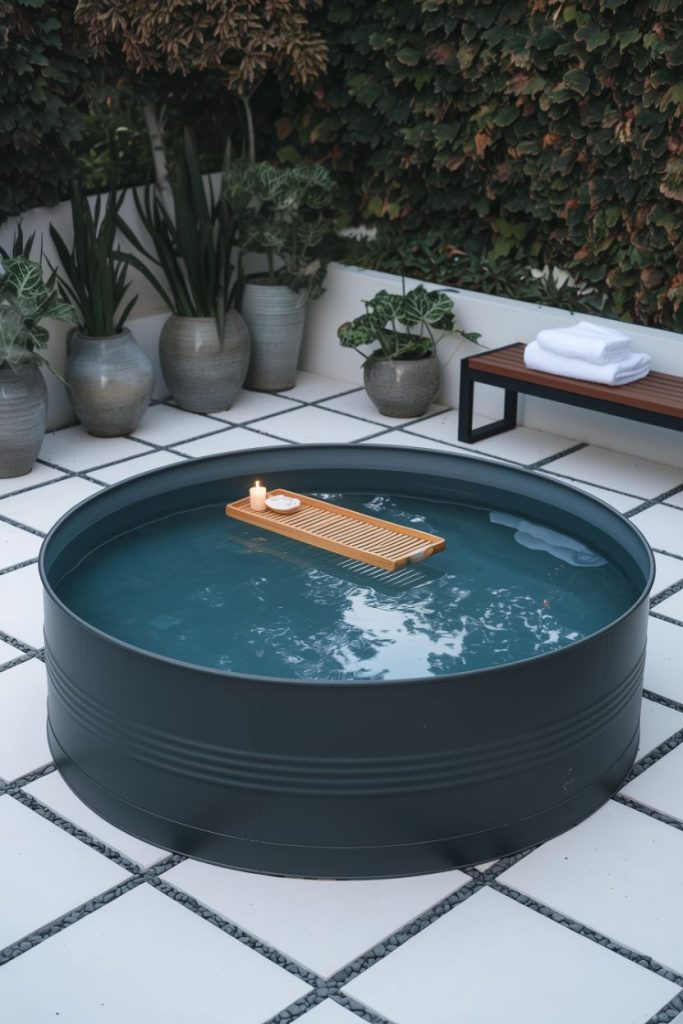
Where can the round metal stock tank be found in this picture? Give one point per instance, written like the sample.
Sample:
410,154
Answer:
343,779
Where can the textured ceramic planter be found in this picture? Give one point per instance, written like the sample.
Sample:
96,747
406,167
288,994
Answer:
275,315
23,414
110,382
403,388
202,374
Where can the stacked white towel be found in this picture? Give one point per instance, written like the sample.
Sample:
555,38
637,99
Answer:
587,352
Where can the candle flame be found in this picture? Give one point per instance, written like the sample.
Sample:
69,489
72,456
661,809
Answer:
257,483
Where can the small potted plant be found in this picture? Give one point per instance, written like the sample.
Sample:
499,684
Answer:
204,344
26,298
402,375
283,214
110,377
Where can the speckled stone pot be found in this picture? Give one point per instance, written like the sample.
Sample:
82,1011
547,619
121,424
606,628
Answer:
404,388
202,374
23,415
110,382
275,316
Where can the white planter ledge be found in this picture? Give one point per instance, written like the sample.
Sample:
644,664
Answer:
499,321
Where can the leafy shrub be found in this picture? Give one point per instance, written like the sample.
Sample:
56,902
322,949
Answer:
433,258
26,298
239,38
42,81
534,128
284,212
406,326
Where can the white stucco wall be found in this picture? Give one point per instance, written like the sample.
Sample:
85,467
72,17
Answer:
499,322
148,314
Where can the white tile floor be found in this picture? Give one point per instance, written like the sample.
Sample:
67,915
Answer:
100,926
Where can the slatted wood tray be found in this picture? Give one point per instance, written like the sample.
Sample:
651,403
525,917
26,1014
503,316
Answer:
353,534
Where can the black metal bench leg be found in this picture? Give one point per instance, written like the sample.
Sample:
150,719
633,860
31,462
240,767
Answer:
510,410
466,409
466,431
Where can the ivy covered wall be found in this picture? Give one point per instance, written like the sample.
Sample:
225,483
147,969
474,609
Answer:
542,128
42,79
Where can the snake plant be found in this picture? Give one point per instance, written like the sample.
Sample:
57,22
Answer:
93,277
191,243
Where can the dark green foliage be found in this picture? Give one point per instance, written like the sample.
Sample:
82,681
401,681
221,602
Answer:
115,140
406,326
539,129
192,243
433,258
93,278
21,244
284,212
41,85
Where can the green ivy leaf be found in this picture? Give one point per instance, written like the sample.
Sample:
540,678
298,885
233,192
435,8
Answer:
408,55
577,79
592,36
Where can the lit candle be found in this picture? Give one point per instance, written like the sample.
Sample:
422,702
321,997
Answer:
257,498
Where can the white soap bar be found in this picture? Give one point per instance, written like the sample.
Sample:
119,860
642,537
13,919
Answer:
282,503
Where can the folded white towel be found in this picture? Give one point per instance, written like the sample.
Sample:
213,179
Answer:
631,367
586,341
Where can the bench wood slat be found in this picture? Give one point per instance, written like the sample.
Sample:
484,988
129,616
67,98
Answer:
658,392
656,398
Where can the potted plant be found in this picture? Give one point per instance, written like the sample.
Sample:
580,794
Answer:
282,214
110,377
402,374
204,344
26,298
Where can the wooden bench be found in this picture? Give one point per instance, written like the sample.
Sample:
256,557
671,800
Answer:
657,398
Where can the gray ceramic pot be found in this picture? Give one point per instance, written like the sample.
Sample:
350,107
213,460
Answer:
404,388
23,415
110,382
275,316
202,374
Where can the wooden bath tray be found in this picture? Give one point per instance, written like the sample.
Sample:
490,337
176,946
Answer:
353,534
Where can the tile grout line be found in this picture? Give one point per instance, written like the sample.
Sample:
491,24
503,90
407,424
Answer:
649,812
85,909
479,883
653,756
19,565
541,463
405,932
658,698
65,920
21,526
586,932
380,951
666,618
663,595
648,503
668,1013
670,554
75,831
19,644
194,906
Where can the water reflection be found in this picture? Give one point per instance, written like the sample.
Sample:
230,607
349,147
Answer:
217,593
541,538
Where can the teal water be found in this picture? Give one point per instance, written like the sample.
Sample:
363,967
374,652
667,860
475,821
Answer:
211,591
